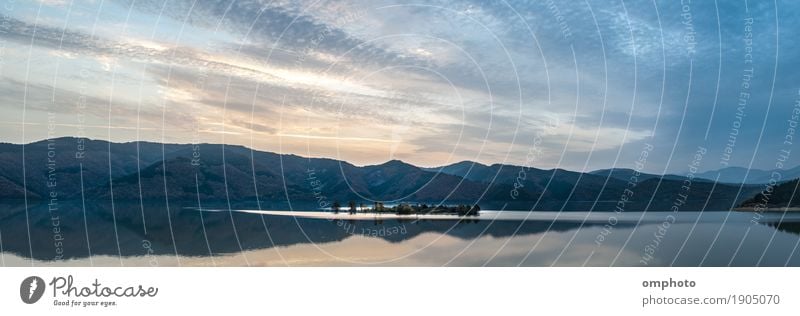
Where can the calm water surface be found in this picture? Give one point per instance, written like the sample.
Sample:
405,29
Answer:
142,235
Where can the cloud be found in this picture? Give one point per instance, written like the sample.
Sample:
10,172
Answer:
366,80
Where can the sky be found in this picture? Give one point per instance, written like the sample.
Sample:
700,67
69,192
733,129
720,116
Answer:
579,85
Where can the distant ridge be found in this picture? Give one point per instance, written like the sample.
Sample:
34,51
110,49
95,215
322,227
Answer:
754,176
624,174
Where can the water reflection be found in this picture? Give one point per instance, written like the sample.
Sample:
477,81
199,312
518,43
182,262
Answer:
180,235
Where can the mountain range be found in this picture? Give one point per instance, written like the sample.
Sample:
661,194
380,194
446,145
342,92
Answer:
733,175
94,170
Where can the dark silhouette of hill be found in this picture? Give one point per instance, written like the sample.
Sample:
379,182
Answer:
782,195
214,172
625,173
749,176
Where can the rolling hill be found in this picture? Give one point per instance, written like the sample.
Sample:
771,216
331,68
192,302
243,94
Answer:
214,172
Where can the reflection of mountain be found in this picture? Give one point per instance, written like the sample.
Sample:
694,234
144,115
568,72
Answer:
191,231
602,188
214,173
624,174
788,227
99,164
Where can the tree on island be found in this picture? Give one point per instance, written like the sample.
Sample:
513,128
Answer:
336,206
473,211
352,206
404,209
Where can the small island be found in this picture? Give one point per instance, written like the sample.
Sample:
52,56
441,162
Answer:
774,198
408,209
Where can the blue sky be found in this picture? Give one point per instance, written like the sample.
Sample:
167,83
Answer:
580,85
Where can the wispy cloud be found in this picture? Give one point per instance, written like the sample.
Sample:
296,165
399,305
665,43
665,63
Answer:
431,82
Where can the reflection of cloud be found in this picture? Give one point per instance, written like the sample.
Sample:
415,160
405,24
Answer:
426,249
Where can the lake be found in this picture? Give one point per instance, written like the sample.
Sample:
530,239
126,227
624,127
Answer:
125,234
